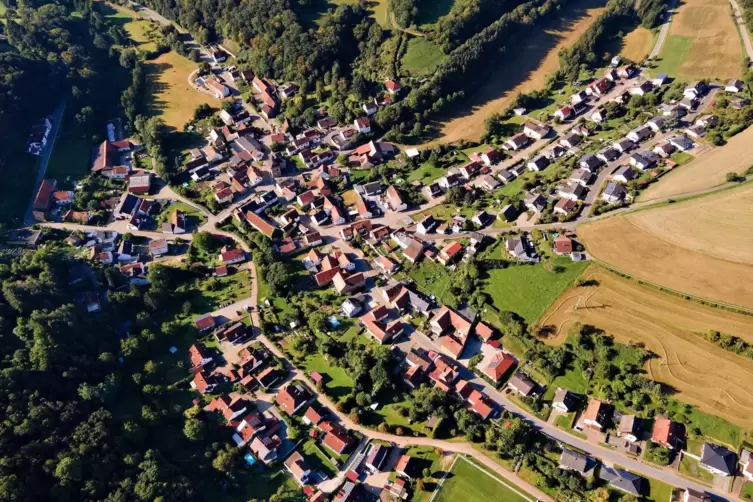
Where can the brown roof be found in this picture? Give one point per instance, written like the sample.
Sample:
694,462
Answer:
312,415
296,465
499,365
665,430
260,224
204,322
337,439
42,200
484,332
593,411
291,397
106,156
563,245
197,353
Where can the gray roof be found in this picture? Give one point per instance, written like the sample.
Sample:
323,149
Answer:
622,480
575,461
696,496
628,425
718,457
590,161
625,171
564,396
614,189
521,382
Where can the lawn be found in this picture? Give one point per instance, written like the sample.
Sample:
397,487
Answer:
426,173
195,217
422,57
681,158
72,151
432,278
572,380
564,422
747,491
470,483
317,459
690,467
673,54
338,382
444,212
218,291
659,491
529,290
16,190
711,426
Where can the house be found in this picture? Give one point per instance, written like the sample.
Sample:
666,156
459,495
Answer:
480,404
489,183
639,134
199,355
599,87
351,307
641,89
608,154
682,143
597,116
204,322
450,253
363,125
562,245
43,198
158,247
426,225
707,121
656,124
377,454
395,200
579,97
517,247
564,113
408,467
62,197
298,468
292,398
623,145
596,415
381,331
581,177
517,142
565,206
265,448
538,163
505,176
667,433
660,80
614,192
469,170
695,90
217,89
664,149
522,384
392,87
491,157
692,495
370,108
718,460
696,131
643,160
535,130
571,460
449,181
629,428
535,202
589,162
570,140
564,401
688,103
624,174
622,480
140,183
739,103
482,219
336,439
232,256
573,192
288,91
499,365
734,85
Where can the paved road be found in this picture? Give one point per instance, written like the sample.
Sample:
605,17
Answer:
664,30
55,120
743,29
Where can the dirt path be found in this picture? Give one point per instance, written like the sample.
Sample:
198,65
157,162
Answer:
664,30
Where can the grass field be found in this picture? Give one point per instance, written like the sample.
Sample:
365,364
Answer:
535,57
693,267
747,491
472,484
529,290
338,382
426,173
690,467
637,44
194,216
720,225
72,151
668,326
312,14
702,42
707,170
422,57
659,491
432,278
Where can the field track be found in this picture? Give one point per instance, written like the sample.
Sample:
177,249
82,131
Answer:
666,325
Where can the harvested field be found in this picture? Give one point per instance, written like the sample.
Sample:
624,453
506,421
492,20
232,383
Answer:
631,249
715,49
532,61
667,326
637,44
707,170
718,225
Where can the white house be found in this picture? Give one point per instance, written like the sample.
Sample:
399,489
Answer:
363,125
734,85
624,174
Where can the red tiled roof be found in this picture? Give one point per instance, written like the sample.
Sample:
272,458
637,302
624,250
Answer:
499,365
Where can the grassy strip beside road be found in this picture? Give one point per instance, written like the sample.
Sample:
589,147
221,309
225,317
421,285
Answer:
471,483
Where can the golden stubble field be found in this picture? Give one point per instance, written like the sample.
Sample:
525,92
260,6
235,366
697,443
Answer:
533,59
715,49
637,44
717,225
715,380
707,170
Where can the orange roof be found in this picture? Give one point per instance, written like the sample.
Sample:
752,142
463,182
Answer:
484,332
499,365
592,412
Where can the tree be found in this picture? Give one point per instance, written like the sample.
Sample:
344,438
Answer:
195,430
277,277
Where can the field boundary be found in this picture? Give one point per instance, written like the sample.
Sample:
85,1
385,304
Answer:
513,488
729,307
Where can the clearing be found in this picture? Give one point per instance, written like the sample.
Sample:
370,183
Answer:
668,326
312,14
637,44
707,170
534,59
661,254
474,484
529,290
703,42
422,57
719,225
